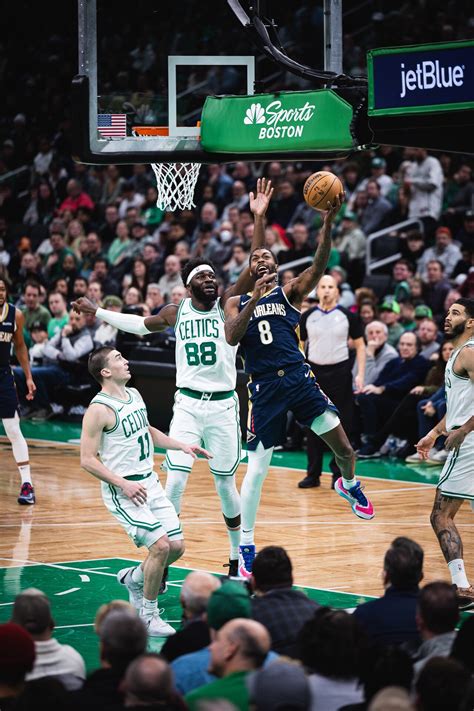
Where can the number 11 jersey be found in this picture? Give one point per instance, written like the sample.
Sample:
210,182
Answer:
271,341
204,360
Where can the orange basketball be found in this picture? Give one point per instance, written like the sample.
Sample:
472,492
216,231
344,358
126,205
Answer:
321,188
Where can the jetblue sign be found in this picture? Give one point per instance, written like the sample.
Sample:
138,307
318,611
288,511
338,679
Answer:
421,79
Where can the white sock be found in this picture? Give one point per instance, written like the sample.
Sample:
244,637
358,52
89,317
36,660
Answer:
234,540
149,607
458,574
257,470
137,575
25,473
349,483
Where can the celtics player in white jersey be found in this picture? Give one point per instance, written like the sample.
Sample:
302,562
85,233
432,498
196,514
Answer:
117,448
457,477
206,409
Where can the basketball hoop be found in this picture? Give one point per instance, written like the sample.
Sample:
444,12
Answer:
175,182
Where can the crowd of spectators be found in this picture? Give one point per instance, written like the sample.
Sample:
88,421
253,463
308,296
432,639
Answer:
265,646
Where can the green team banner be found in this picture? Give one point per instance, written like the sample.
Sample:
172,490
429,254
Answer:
283,122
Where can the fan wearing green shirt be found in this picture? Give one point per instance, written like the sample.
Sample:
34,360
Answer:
57,306
238,648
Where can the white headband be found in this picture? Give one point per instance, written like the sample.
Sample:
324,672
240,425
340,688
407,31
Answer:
197,270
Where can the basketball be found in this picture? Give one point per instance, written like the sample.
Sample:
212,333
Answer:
321,188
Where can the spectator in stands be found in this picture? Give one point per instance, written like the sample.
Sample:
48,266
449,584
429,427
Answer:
32,311
60,317
54,265
443,684
374,212
389,311
378,400
207,219
368,312
412,247
284,204
121,246
148,683
391,619
154,298
42,206
123,638
105,334
378,352
351,242
466,234
111,189
280,608
238,648
39,337
463,198
17,657
171,277
79,287
132,296
236,265
60,357
94,291
463,646
427,332
178,293
377,172
93,251
332,647
108,229
279,685
140,276
424,178
194,633
231,600
76,198
445,251
437,617
400,285
101,274
129,198
436,287
30,269
299,249
32,611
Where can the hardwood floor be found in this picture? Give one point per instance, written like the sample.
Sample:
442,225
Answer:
328,545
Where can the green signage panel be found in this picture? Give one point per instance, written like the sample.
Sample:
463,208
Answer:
419,79
278,123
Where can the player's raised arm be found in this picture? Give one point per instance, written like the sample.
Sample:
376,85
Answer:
297,289
258,204
21,352
96,419
236,321
130,323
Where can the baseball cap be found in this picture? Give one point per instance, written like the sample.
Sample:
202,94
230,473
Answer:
279,685
423,311
112,300
378,163
390,304
349,215
226,603
469,215
444,231
17,649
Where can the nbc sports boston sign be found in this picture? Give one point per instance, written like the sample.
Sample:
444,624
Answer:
283,122
421,78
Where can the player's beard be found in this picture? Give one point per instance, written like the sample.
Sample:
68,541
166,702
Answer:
202,296
455,331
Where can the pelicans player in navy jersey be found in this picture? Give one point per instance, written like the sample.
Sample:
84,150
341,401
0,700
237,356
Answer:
11,332
265,323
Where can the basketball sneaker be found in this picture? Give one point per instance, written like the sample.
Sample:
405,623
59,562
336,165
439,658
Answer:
135,590
465,597
156,627
27,494
246,558
233,566
360,504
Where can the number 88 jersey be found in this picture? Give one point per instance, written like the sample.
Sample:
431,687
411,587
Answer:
204,359
271,341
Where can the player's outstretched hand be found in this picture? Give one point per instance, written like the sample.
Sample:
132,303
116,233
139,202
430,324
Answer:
334,207
84,305
194,450
260,201
135,491
424,445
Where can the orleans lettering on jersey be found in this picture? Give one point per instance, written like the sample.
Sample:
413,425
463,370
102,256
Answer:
134,422
202,328
5,337
271,341
7,330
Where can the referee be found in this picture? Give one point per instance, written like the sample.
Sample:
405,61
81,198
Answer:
325,329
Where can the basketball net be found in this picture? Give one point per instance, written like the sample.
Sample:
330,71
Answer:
175,183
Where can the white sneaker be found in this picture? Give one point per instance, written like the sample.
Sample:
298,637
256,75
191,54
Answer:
439,457
135,590
414,459
156,627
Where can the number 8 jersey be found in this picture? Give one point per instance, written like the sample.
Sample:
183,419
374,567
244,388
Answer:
204,359
271,341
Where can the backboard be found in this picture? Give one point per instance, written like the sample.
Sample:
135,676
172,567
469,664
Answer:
153,64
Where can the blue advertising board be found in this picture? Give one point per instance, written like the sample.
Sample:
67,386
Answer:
421,78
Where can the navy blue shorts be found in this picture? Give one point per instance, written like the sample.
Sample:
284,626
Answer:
273,395
8,395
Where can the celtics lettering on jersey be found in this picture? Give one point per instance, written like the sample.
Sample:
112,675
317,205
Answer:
271,341
204,359
127,447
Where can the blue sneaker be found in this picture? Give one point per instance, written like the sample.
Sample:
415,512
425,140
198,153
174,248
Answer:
27,494
360,504
246,558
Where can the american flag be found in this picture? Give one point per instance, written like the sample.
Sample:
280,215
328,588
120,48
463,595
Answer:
112,125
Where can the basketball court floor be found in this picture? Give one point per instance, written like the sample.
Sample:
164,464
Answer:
69,546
